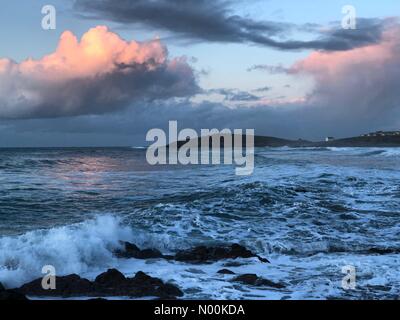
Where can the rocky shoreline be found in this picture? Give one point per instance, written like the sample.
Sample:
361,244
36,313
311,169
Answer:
113,283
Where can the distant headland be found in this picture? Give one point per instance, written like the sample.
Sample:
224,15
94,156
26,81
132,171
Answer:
379,139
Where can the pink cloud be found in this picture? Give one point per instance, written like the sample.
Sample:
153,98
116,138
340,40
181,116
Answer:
98,73
358,85
359,67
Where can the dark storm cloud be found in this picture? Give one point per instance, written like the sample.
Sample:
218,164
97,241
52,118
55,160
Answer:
262,89
234,95
269,68
214,21
110,92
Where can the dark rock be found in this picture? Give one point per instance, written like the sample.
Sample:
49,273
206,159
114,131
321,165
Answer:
111,278
264,260
107,284
169,291
225,271
67,286
142,285
12,295
250,279
254,280
203,254
132,251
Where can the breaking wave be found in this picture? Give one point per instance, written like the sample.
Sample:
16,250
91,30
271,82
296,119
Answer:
70,249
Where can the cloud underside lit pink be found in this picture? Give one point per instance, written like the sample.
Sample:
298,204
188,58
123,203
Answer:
362,81
101,73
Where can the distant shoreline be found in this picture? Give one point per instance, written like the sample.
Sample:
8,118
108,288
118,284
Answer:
353,142
265,141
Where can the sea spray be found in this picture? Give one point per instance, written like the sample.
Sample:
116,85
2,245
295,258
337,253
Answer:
70,249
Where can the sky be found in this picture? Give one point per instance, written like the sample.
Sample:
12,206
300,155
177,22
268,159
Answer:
112,70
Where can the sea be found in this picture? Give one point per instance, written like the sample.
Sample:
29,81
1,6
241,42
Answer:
314,213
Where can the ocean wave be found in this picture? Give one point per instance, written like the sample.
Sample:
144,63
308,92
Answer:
341,148
392,152
329,247
315,149
70,249
374,153
29,164
386,152
366,152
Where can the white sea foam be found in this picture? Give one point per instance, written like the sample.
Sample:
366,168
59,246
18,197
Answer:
392,152
70,249
368,151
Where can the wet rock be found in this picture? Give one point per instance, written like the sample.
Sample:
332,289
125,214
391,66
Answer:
114,283
132,251
225,271
67,286
144,285
112,278
204,254
11,295
200,254
108,284
254,280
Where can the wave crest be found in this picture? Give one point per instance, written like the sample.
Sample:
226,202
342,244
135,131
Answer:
70,249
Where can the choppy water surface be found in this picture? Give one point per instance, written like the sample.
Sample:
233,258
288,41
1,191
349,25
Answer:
310,211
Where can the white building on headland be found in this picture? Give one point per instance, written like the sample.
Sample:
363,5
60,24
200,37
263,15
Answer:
329,139
382,134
